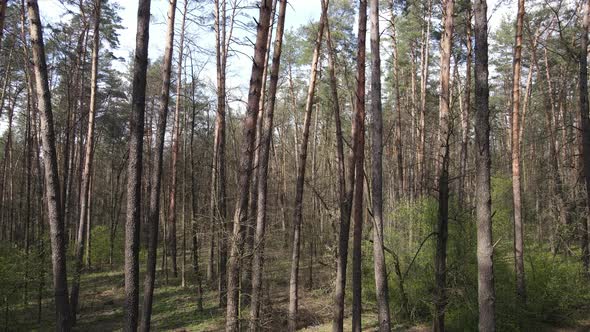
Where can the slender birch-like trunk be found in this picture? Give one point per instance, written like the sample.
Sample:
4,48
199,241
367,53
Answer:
154,209
515,148
174,155
87,170
298,209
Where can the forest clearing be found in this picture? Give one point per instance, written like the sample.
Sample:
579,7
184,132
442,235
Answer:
303,165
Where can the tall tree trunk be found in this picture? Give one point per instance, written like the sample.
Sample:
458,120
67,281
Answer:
88,259
357,207
398,131
552,127
184,179
52,192
78,160
88,160
245,172
344,193
154,210
7,79
485,248
265,140
134,169
442,169
218,211
515,138
414,128
174,155
425,61
466,111
68,151
300,182
194,195
250,226
381,287
585,124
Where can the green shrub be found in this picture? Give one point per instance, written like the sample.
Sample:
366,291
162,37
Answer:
101,243
557,291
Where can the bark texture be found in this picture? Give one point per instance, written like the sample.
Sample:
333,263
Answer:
515,149
154,208
245,170
585,124
52,192
485,248
442,168
357,207
381,286
134,168
265,140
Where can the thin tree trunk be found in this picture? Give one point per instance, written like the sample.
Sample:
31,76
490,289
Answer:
174,155
184,182
398,133
466,111
295,117
585,124
154,210
88,160
344,194
381,287
425,61
515,137
557,182
250,226
135,166
89,223
298,208
357,207
7,80
194,195
218,212
245,172
52,192
485,248
68,151
265,141
440,261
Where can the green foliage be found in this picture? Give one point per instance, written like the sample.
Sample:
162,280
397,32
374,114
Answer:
20,276
557,291
101,243
417,278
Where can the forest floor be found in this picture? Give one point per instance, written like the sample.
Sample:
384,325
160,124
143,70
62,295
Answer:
175,307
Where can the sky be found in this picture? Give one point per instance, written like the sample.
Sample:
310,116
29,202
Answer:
299,12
